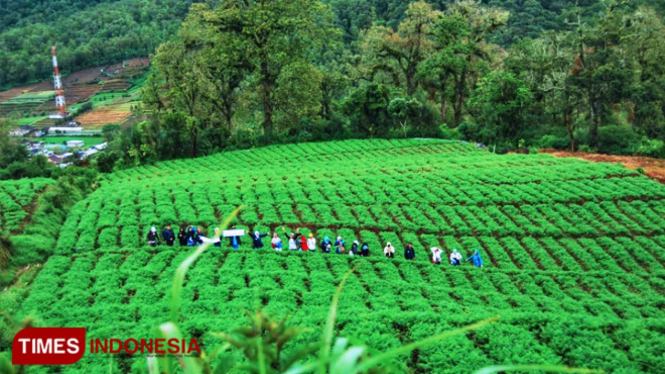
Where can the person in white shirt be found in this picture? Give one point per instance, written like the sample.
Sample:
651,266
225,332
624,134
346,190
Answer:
276,242
455,258
293,245
311,243
389,250
436,255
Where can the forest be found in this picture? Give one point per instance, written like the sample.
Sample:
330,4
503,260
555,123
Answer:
513,75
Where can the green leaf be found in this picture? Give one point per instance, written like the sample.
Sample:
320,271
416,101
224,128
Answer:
387,356
546,368
330,322
190,365
299,354
345,363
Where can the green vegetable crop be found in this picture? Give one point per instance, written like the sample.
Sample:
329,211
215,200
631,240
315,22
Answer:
573,254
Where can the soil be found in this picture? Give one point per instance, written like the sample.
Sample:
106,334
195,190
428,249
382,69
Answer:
99,117
653,167
6,95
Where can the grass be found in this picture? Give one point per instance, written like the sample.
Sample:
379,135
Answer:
30,120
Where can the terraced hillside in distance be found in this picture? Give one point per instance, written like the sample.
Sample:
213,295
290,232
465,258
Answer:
28,221
573,252
110,89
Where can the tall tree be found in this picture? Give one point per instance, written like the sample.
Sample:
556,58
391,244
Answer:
223,64
178,68
645,43
276,36
448,59
502,100
546,64
602,70
399,53
482,22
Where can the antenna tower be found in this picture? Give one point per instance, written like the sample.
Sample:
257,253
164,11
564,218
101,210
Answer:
57,82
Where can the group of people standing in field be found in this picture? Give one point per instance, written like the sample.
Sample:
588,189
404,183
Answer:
300,242
192,236
455,257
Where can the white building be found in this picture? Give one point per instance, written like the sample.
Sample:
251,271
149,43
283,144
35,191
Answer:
75,143
22,131
65,129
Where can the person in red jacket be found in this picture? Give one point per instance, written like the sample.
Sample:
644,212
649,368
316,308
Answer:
303,243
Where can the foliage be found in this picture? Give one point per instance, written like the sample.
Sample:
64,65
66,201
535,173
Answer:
86,33
574,248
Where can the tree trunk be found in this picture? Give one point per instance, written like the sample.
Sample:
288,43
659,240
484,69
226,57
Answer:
444,102
569,127
460,97
228,114
594,122
267,101
194,143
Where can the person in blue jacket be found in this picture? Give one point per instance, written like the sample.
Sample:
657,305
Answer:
256,238
364,250
192,236
168,235
409,252
339,245
234,241
326,245
476,259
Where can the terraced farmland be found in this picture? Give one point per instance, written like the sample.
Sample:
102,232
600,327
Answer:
15,200
28,222
573,252
80,87
110,114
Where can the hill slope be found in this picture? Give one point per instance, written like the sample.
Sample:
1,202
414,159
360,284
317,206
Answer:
573,253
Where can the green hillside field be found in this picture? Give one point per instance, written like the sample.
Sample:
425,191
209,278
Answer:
574,254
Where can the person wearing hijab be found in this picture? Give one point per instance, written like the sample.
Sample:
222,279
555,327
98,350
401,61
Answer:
303,243
455,258
389,250
234,241
192,236
256,238
409,252
326,245
152,237
354,248
276,242
311,243
339,245
182,237
436,255
293,246
199,235
218,241
168,235
476,259
364,249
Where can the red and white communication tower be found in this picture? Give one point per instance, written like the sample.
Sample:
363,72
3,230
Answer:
60,98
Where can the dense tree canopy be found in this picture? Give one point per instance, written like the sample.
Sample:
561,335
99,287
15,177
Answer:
576,74
86,32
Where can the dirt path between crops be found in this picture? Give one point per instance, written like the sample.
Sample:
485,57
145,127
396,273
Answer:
653,167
